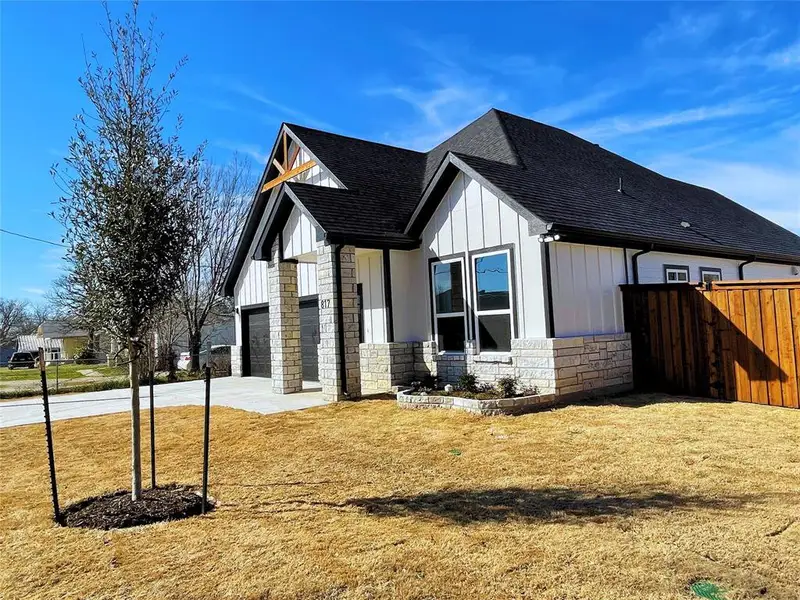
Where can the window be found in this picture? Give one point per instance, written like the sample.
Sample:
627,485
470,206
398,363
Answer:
493,303
448,304
709,274
676,274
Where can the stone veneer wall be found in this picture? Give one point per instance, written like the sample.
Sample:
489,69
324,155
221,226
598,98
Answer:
329,368
577,365
386,366
236,361
286,361
554,365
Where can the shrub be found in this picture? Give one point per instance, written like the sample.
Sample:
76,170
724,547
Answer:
530,390
427,384
467,382
85,355
507,386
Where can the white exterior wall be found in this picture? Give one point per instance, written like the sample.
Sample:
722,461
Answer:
586,295
369,273
471,218
651,267
299,235
315,175
585,286
410,292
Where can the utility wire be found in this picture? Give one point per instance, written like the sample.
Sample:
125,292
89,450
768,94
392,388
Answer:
35,239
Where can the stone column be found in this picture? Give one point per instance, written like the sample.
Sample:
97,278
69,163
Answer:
284,327
330,326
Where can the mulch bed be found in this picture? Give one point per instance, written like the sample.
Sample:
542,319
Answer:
116,510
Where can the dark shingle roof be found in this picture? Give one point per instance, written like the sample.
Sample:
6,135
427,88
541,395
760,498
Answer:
570,182
558,177
331,208
375,170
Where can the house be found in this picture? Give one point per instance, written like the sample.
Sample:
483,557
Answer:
59,340
499,251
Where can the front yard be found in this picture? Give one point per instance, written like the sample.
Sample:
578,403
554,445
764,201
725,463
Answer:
365,500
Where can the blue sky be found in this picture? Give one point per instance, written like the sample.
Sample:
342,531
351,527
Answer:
709,93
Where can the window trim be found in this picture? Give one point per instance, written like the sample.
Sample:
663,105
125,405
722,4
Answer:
512,305
711,270
682,268
444,260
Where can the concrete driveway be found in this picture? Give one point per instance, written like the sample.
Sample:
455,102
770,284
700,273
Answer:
247,393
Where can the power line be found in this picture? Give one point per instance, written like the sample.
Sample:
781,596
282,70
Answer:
35,239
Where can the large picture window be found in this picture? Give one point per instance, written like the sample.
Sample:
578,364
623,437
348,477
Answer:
449,304
493,301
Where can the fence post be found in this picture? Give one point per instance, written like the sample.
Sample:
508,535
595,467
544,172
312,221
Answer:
49,435
152,435
205,428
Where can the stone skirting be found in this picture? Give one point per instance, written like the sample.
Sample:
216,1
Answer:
561,369
498,406
236,361
590,364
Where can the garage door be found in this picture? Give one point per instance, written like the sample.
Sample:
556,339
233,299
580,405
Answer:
255,330
309,338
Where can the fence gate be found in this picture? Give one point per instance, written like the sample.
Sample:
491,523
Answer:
736,340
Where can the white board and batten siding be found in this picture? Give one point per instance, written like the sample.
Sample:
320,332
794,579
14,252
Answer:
469,219
410,293
369,273
585,287
586,279
651,267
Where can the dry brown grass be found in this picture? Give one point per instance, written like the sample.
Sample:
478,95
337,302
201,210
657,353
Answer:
368,501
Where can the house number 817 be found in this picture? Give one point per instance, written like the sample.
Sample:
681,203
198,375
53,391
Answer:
327,303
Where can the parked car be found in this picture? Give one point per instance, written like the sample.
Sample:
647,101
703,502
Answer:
220,359
23,360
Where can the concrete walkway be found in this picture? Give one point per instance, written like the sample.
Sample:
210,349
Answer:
247,393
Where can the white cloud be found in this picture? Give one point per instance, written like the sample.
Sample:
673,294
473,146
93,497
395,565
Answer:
254,151
683,28
34,291
255,95
441,109
785,58
567,111
772,191
634,124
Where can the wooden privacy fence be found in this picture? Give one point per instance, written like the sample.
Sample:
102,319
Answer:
736,340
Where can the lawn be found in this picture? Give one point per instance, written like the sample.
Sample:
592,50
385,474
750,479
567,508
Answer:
365,500
66,371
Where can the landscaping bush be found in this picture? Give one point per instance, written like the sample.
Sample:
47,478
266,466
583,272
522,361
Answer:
507,386
530,390
427,384
467,382
85,355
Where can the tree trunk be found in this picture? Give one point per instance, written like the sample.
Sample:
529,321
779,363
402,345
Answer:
136,439
195,342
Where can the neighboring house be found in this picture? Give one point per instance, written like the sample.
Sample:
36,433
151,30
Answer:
500,251
6,351
59,340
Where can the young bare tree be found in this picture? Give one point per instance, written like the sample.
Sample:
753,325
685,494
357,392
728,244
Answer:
168,331
14,319
124,209
216,217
